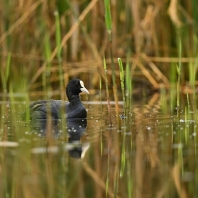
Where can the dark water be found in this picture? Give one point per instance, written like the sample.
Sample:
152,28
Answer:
151,151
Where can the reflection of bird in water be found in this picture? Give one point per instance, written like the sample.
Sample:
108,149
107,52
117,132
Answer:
74,127
57,108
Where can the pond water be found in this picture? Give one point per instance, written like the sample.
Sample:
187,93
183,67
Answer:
148,149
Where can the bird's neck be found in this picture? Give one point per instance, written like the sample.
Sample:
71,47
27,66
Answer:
71,97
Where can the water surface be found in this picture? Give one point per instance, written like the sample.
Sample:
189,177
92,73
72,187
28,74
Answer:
147,150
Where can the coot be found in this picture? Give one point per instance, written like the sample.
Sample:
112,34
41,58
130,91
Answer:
72,109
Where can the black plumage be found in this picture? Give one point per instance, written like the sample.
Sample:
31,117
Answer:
56,108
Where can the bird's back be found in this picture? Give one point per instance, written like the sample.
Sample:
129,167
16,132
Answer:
42,108
57,109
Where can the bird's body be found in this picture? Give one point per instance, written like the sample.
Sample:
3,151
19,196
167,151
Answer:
57,108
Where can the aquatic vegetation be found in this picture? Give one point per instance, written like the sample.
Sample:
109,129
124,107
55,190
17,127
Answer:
139,63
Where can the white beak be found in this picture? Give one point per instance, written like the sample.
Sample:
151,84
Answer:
83,89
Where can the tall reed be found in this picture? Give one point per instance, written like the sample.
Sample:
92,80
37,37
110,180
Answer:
123,154
122,81
101,137
59,51
106,85
109,110
108,22
5,73
179,68
47,74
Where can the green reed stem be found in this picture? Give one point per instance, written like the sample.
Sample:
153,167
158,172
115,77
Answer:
8,62
58,35
46,74
128,93
108,16
108,23
123,154
187,118
163,100
48,53
109,109
173,80
101,139
5,73
59,51
179,72
4,78
128,78
130,181
186,135
121,79
13,110
106,84
107,179
192,78
192,73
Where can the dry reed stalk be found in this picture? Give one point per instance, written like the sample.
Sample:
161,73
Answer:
148,75
162,192
114,24
135,7
147,24
154,101
95,54
65,38
95,28
173,13
75,35
22,56
21,20
176,177
173,59
90,62
155,69
96,178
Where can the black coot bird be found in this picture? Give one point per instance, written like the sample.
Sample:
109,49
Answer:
72,109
